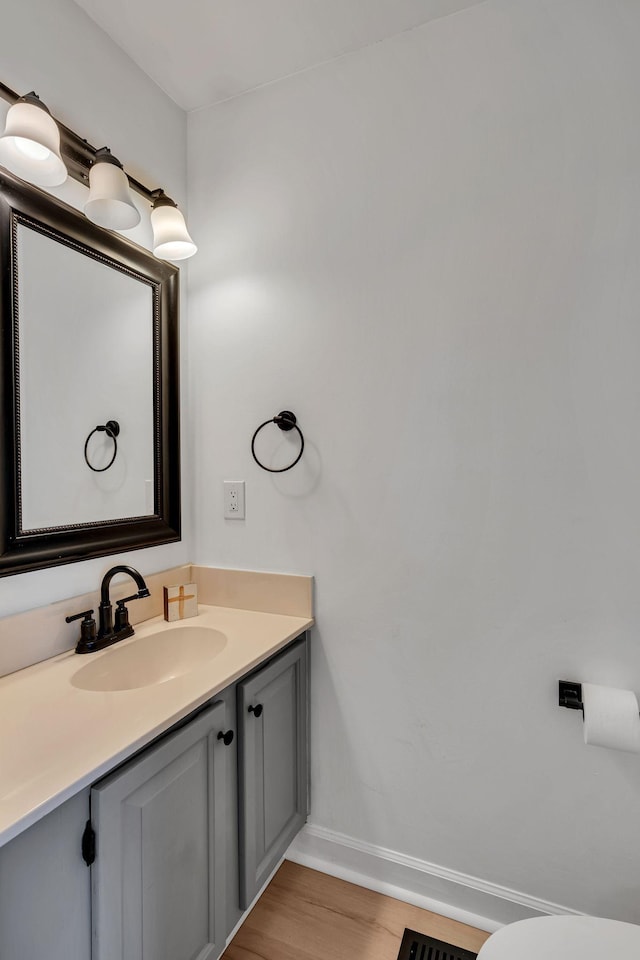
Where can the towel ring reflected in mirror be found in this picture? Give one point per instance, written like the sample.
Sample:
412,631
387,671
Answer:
112,429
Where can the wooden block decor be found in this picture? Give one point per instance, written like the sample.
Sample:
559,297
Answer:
180,602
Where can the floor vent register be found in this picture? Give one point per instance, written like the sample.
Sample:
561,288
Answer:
418,946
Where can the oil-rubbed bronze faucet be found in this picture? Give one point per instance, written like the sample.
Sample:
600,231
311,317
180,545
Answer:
109,631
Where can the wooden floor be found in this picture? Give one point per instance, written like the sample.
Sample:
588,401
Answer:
306,915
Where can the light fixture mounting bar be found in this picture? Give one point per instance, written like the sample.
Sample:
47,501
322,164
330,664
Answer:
79,153
8,94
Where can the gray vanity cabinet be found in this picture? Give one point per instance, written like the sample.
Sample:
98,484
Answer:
187,832
272,764
159,875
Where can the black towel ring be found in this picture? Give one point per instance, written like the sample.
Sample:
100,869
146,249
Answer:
285,421
112,429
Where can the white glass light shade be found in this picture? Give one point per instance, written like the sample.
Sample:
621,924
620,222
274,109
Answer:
171,240
110,204
30,145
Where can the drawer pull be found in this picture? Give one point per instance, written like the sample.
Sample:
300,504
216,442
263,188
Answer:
227,737
257,710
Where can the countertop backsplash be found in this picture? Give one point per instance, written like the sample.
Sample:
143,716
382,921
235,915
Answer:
36,635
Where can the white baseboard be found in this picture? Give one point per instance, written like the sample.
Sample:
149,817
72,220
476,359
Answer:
452,894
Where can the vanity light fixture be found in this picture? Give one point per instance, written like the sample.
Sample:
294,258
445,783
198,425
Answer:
30,144
33,146
171,240
110,203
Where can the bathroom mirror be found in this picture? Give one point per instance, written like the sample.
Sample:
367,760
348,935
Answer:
89,396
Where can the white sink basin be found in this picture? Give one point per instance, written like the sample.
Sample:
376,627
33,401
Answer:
156,658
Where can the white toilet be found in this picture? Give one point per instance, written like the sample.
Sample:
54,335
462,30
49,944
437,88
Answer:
564,938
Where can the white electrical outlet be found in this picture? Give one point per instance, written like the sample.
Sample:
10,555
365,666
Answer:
234,499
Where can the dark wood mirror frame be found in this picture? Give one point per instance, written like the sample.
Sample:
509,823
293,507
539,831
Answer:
20,550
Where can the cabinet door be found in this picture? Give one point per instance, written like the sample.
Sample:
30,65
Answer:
272,761
158,879
45,901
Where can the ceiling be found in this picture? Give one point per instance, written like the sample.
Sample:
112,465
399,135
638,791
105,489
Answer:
204,51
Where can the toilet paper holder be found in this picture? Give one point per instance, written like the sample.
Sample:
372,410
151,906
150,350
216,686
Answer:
570,695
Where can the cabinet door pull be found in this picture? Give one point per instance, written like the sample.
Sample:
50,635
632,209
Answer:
257,710
89,844
227,737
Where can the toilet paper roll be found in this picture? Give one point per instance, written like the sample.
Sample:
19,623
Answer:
611,718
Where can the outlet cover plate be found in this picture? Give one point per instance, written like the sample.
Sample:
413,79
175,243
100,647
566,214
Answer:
234,500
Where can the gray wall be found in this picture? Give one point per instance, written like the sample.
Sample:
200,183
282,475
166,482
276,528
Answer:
88,83
428,250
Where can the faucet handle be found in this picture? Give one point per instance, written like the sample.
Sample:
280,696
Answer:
121,621
122,614
87,614
87,630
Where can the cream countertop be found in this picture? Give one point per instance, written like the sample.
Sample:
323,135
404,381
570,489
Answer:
56,739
